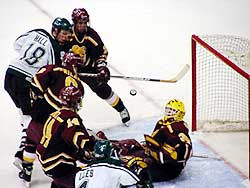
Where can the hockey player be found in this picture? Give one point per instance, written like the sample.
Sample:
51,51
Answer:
64,141
47,84
169,145
107,171
166,150
86,41
36,48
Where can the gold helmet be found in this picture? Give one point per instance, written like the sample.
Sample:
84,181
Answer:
175,109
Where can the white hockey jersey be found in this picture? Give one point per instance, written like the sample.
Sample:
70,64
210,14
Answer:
104,175
35,51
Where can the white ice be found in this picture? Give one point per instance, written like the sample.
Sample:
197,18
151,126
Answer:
145,38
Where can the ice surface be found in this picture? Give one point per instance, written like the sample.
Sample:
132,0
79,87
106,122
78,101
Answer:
145,38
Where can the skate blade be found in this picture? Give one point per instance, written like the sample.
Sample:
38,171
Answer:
127,124
18,163
25,184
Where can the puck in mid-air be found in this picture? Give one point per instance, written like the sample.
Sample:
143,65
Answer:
133,92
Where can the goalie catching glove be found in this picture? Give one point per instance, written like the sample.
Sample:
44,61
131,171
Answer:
103,74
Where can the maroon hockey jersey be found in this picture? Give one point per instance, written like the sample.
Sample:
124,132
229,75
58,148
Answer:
51,79
170,146
65,140
174,139
93,49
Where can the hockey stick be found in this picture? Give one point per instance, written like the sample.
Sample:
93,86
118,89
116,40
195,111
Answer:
172,80
205,157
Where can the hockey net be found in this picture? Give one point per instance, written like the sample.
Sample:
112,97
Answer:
220,83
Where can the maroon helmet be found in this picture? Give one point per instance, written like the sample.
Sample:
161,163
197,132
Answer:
80,14
71,97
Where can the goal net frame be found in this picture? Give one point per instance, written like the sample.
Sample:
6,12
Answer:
199,43
196,40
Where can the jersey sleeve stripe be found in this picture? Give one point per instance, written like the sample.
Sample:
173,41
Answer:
117,167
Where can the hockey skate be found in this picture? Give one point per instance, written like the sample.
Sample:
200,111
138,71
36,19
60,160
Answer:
125,117
25,173
18,159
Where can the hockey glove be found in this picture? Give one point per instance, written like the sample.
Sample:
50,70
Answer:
103,74
139,166
127,146
70,59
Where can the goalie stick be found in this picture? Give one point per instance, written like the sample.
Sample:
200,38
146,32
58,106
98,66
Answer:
202,156
176,78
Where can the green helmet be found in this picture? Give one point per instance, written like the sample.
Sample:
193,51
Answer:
61,23
103,149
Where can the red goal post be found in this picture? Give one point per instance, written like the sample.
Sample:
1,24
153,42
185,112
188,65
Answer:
220,83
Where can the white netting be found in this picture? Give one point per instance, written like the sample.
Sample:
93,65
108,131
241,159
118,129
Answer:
222,93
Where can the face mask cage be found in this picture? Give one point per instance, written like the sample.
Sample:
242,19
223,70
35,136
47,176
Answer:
170,112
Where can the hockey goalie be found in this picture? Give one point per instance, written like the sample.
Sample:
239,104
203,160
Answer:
165,152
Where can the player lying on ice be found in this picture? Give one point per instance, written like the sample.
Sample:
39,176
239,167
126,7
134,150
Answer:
108,171
166,151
